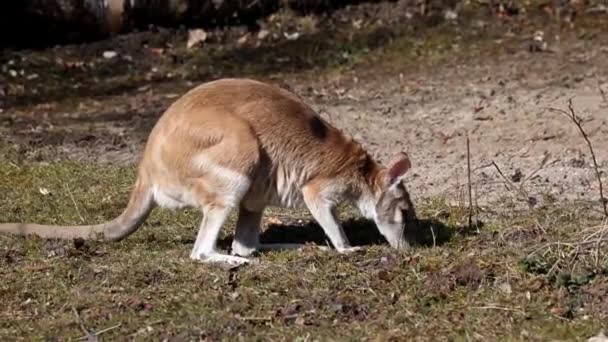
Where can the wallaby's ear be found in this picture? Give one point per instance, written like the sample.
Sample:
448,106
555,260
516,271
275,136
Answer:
397,168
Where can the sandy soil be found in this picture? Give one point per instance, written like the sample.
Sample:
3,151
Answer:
503,105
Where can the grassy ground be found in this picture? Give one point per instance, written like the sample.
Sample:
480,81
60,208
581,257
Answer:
459,285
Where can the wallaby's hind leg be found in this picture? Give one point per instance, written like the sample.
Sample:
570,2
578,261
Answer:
225,169
247,235
205,245
219,193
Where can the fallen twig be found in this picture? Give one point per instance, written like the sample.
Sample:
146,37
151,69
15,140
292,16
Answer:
254,319
501,308
88,336
74,202
97,333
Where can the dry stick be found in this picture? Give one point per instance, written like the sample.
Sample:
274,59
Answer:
469,183
89,336
67,187
254,318
597,248
511,186
543,163
578,122
97,333
603,93
502,308
521,192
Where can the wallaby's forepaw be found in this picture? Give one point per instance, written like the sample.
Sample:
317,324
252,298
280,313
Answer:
242,251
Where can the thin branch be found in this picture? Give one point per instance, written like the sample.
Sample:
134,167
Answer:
469,184
501,308
511,186
67,187
254,318
97,333
603,93
543,163
571,114
88,335
597,246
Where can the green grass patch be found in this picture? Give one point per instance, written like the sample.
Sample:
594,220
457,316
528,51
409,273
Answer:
463,286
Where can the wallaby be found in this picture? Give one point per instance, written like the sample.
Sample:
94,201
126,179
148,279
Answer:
243,144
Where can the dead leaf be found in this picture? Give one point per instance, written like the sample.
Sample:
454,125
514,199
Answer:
110,54
384,275
273,220
196,37
292,36
243,39
263,34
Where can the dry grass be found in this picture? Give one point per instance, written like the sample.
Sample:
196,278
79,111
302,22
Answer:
498,284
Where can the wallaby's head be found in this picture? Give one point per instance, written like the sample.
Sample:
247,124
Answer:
395,214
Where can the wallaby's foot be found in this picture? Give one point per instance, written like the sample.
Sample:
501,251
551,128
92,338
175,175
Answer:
347,250
230,260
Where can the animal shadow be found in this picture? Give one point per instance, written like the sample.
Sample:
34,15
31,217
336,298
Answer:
359,231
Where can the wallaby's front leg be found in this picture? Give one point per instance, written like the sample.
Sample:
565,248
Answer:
323,212
247,235
247,232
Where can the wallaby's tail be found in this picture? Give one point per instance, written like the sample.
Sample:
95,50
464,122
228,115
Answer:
136,212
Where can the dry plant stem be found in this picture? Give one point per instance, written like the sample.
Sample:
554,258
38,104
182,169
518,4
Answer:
89,336
469,183
603,93
511,186
501,308
568,253
571,244
255,319
571,114
543,163
597,246
67,187
85,338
